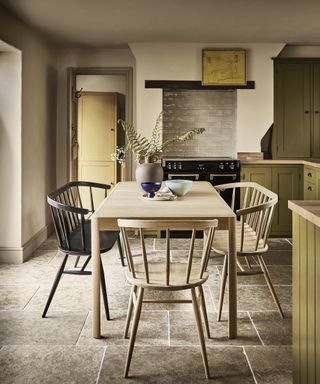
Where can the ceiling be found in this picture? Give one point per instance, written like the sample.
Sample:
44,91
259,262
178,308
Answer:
110,23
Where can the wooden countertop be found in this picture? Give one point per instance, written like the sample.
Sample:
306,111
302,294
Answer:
315,163
308,209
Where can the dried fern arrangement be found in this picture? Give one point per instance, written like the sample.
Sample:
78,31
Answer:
153,147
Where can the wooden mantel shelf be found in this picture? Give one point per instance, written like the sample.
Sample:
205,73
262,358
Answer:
189,85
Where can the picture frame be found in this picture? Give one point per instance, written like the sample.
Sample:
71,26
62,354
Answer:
224,67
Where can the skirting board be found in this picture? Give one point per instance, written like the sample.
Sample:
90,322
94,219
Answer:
19,255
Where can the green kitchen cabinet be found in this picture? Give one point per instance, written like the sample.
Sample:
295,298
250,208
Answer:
296,132
284,180
286,183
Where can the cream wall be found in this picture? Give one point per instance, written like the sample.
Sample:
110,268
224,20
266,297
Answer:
102,83
181,61
10,147
38,127
93,58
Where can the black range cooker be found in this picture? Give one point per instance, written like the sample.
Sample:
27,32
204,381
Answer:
215,170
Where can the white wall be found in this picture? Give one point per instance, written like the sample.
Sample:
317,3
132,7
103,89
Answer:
102,83
182,61
38,128
81,58
10,148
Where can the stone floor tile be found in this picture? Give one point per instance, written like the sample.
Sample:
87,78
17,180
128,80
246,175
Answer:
17,327
178,365
255,297
50,244
271,365
153,329
279,275
183,330
74,298
16,296
278,257
272,329
50,364
178,244
279,244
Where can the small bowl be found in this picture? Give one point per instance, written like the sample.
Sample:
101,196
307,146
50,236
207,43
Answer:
151,188
178,186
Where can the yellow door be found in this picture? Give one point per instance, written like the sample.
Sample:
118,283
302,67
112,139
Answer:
97,137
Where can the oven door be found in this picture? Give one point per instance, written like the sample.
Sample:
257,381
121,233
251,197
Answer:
184,176
217,179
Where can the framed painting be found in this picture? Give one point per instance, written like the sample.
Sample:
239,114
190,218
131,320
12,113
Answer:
224,67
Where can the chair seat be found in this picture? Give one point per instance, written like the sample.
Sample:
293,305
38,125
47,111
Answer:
107,240
220,241
157,276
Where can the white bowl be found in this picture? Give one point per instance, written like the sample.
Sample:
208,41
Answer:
178,186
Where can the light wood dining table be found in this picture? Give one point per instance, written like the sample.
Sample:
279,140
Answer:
125,201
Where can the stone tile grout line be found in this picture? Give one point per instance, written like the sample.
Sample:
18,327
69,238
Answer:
31,298
100,368
248,361
255,328
169,342
82,328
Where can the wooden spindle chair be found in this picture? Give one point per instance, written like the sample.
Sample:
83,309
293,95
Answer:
253,229
148,273
73,230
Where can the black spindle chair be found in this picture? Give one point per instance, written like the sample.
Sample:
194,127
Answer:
73,229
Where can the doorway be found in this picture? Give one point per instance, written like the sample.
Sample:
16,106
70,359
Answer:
98,135
86,86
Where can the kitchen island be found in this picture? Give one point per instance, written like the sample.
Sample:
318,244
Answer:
306,291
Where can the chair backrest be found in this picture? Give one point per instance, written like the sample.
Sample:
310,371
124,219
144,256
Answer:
256,212
208,226
68,212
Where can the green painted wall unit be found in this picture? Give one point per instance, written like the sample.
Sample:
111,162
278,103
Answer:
311,183
306,301
285,182
296,132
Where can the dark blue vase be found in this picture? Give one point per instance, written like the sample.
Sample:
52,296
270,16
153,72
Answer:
151,188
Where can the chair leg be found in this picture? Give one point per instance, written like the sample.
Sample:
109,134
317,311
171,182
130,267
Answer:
77,261
203,309
85,263
136,318
104,291
200,333
222,286
266,275
129,313
248,262
55,284
120,250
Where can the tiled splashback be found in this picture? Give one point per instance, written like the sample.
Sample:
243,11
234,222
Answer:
213,110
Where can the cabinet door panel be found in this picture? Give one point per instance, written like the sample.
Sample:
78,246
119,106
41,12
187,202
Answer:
293,110
259,175
286,183
316,112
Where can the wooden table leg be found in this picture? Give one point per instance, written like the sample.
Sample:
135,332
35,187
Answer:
232,277
95,247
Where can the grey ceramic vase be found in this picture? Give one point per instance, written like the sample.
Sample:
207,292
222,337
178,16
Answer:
149,172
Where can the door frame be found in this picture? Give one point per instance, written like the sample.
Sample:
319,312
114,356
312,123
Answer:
72,73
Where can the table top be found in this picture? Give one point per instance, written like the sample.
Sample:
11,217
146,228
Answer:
125,201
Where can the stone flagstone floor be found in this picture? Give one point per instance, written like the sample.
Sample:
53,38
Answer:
60,349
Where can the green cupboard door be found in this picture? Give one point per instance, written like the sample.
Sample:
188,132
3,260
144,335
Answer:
286,183
293,110
259,175
316,112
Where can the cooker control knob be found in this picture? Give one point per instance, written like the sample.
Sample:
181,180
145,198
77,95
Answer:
231,166
180,166
169,166
174,166
221,166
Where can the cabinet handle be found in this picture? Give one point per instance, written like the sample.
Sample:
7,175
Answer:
309,188
306,112
310,174
316,112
